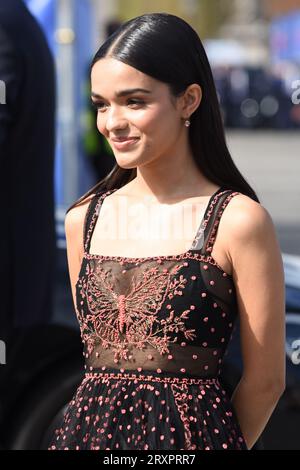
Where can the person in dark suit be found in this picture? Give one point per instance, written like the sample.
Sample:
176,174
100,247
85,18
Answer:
27,148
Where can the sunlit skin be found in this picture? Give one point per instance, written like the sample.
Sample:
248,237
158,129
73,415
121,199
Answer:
157,118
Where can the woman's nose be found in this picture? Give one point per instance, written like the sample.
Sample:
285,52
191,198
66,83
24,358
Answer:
115,120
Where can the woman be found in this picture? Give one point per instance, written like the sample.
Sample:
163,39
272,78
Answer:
157,313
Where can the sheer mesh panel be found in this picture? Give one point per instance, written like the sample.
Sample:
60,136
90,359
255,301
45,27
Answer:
150,315
185,361
222,289
169,313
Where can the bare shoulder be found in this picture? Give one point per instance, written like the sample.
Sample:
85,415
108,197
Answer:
246,221
246,215
76,216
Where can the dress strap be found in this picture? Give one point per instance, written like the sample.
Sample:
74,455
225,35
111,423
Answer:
213,218
201,232
92,216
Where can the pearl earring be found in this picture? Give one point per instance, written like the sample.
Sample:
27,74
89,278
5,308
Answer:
187,122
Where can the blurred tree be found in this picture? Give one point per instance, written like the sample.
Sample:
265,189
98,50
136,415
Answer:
205,16
211,15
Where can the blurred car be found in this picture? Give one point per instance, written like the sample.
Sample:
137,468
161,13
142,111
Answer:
48,366
255,98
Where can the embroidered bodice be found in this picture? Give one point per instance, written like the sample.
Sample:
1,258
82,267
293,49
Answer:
163,313
155,331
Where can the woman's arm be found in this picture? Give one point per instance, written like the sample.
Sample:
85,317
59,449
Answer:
258,275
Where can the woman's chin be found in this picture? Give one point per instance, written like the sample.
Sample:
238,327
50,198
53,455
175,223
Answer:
127,161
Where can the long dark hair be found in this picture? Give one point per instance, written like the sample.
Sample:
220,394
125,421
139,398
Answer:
168,49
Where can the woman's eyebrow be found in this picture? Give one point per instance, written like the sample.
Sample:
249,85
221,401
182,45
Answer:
123,92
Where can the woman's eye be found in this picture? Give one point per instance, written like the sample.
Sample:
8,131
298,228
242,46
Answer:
99,105
136,101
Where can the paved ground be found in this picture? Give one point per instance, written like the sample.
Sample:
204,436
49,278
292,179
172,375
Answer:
270,161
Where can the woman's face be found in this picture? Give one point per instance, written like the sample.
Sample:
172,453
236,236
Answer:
150,115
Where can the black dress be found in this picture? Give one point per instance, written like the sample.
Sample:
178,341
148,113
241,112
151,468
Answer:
155,330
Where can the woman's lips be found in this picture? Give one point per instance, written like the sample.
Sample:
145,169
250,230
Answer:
124,144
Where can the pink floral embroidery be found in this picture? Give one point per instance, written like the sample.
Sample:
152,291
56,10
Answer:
212,237
119,320
180,392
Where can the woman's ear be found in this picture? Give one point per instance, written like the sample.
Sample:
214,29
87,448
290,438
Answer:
191,99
